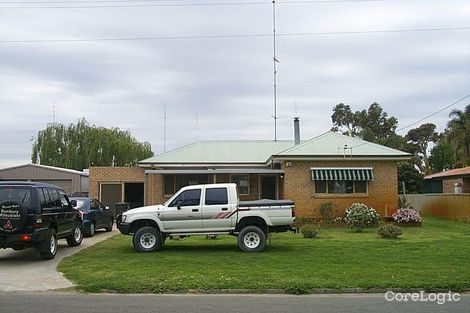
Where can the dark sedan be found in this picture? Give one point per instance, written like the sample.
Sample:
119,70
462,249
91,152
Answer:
94,214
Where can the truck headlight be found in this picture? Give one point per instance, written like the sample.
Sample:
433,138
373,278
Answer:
123,218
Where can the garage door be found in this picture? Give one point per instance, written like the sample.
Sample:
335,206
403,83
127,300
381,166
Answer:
110,194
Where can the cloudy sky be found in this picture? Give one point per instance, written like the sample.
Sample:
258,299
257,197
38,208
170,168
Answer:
215,83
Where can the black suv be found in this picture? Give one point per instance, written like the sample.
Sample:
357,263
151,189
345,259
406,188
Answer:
37,215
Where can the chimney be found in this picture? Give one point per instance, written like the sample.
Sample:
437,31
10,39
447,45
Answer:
296,131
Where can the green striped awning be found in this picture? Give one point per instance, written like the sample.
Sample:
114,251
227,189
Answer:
361,173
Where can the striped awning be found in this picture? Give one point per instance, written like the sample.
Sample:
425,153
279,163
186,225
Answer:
360,173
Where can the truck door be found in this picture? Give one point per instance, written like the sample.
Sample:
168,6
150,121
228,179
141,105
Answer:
217,209
184,212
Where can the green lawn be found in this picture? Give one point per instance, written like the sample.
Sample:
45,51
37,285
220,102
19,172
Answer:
436,255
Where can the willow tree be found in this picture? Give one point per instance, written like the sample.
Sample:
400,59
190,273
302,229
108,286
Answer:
78,146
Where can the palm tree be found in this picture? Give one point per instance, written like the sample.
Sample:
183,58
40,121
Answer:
459,134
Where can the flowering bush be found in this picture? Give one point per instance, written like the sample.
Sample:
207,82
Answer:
359,216
389,231
405,215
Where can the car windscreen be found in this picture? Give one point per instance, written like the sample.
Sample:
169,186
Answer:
20,195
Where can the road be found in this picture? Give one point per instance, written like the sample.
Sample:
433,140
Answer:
14,302
25,270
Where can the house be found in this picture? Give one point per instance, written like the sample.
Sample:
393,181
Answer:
70,180
450,181
331,169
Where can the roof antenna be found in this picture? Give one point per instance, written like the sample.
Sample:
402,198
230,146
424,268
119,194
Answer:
275,61
164,127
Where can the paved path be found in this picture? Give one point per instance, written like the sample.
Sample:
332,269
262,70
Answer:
25,270
21,302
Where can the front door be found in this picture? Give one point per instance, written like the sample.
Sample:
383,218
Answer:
268,187
184,212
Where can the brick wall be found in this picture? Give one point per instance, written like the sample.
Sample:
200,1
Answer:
113,174
448,185
299,186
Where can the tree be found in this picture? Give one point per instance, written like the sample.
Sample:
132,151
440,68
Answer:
459,134
418,140
372,124
442,155
78,146
409,174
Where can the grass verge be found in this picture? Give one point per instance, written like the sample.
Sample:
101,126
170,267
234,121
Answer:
433,256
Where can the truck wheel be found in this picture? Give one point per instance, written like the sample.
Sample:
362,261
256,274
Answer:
148,239
48,248
251,239
76,237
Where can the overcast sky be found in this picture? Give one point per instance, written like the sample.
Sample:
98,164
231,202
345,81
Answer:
227,82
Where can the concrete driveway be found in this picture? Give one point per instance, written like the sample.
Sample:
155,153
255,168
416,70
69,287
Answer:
25,270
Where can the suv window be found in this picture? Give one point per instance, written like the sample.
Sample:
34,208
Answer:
54,197
95,205
216,196
64,199
44,198
187,198
19,195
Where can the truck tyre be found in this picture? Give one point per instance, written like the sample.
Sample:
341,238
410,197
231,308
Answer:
148,239
48,248
76,237
251,239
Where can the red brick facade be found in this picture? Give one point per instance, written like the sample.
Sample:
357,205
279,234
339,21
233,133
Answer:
382,191
296,184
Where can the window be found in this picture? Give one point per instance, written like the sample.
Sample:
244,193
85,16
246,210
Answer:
19,195
94,205
169,184
340,186
173,183
63,199
45,199
243,183
216,196
187,198
54,197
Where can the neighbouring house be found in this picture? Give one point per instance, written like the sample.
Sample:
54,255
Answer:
330,170
450,181
73,182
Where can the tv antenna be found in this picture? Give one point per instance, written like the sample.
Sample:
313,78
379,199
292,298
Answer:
164,127
275,61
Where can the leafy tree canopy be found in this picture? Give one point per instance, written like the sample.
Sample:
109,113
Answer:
418,140
78,146
458,130
372,124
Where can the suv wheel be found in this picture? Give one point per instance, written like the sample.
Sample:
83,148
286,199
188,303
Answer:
48,248
91,230
110,226
251,239
148,239
76,237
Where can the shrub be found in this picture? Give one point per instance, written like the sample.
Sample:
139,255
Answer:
405,215
359,216
310,230
389,231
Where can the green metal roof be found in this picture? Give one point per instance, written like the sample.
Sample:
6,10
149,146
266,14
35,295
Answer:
334,144
222,151
260,151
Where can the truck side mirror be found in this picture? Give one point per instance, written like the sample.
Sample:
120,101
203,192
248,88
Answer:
73,203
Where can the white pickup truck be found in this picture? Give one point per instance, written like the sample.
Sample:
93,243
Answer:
207,210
